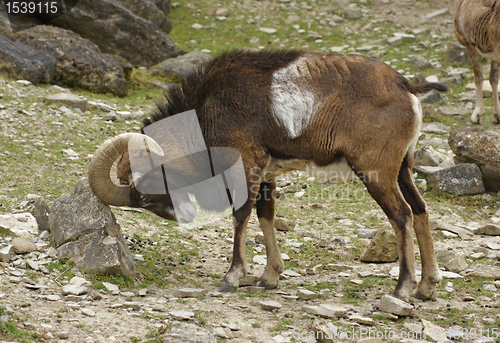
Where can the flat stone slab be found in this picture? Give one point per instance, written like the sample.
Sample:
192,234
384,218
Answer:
72,100
270,305
395,306
190,292
19,224
182,315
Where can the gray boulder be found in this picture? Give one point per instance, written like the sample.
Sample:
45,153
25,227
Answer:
148,10
427,156
40,210
382,248
482,148
21,61
80,62
420,62
462,179
117,30
163,5
85,230
181,65
456,53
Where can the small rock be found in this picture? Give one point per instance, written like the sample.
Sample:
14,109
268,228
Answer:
489,288
420,63
190,292
382,248
270,305
111,287
22,245
489,230
281,224
222,12
182,315
361,320
88,312
396,306
352,13
306,294
196,26
434,332
267,30
436,13
6,253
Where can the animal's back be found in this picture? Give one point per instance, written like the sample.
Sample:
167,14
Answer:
474,18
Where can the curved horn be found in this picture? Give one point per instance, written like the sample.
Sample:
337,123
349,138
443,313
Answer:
100,164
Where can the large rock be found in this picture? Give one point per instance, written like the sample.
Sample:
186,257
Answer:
19,224
382,248
456,53
21,61
80,62
85,230
181,65
148,10
117,30
481,147
163,5
427,156
462,179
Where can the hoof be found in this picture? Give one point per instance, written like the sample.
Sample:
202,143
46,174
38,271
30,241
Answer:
266,285
421,296
226,288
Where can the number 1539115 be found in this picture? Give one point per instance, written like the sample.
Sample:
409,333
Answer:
27,7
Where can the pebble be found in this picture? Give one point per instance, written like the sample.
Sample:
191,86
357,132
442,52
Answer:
270,305
395,306
88,312
182,315
267,30
190,292
306,294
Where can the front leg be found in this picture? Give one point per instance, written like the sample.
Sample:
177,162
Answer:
265,213
238,267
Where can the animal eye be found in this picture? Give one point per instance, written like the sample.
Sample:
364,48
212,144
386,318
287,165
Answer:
142,198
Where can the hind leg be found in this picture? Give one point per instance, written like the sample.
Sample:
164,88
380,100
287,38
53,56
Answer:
430,270
494,87
387,194
478,81
265,213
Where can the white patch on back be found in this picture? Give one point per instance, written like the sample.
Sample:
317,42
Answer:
293,101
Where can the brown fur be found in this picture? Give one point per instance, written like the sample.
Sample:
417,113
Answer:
477,27
366,117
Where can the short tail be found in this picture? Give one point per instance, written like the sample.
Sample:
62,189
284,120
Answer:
427,87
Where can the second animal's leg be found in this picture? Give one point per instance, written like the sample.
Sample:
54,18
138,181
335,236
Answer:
494,87
478,81
265,213
430,270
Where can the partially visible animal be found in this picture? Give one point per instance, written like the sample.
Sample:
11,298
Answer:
477,27
283,111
